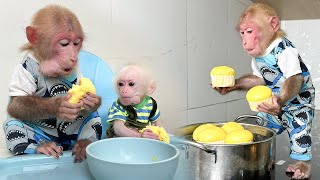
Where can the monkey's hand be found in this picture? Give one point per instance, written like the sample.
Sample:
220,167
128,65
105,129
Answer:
91,102
65,110
79,150
159,131
50,149
274,108
147,133
224,90
300,170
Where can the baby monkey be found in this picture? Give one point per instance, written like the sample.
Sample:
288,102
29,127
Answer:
135,108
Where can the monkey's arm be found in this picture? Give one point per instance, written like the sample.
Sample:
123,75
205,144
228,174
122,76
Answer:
291,87
243,83
34,107
121,130
248,81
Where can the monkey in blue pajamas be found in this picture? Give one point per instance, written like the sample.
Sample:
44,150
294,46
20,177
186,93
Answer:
40,118
277,64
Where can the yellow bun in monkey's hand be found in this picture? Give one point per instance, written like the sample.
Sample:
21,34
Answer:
258,95
222,76
160,131
79,91
239,136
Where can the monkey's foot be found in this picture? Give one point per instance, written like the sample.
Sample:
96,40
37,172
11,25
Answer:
299,170
271,165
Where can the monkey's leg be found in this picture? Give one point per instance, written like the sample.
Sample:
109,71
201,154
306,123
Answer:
22,137
91,128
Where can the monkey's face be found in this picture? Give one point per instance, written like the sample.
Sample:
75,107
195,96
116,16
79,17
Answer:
64,59
250,35
131,88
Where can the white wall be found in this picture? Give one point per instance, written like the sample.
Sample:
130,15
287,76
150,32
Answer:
180,40
305,36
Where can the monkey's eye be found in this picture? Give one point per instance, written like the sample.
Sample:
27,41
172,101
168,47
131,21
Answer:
242,32
64,42
249,30
120,84
77,42
131,84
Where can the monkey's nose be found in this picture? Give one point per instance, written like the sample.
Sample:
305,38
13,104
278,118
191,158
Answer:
73,59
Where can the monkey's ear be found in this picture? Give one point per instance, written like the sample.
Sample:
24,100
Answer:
151,88
31,34
274,23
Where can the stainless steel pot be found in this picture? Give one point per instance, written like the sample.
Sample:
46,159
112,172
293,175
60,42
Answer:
222,161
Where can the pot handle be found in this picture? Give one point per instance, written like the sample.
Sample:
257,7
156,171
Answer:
258,119
181,140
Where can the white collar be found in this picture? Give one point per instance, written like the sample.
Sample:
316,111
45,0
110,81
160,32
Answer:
272,46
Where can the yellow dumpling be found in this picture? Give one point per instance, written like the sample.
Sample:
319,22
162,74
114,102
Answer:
160,131
231,126
211,135
79,91
222,70
222,76
238,137
201,128
258,95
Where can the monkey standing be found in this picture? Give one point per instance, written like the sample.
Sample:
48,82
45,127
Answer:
277,64
41,120
134,109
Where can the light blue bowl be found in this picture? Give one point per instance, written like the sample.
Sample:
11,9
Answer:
127,158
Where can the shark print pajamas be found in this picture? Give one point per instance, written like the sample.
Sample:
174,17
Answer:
23,137
280,62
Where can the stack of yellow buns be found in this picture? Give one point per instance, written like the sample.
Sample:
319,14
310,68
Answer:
229,133
160,131
79,91
258,95
209,133
222,76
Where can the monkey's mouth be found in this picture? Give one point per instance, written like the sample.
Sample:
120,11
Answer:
249,50
67,70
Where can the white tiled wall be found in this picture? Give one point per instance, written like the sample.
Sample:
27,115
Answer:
179,40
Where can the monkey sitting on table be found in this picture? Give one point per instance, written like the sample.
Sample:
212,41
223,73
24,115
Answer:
134,109
41,120
277,64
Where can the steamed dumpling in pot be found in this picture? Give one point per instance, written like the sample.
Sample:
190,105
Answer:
239,136
214,135
231,126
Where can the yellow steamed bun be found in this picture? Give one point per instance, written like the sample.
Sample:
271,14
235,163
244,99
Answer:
222,76
201,128
231,126
257,95
239,136
79,91
160,131
210,135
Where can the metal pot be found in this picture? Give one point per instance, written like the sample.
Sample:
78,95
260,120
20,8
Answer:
224,161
